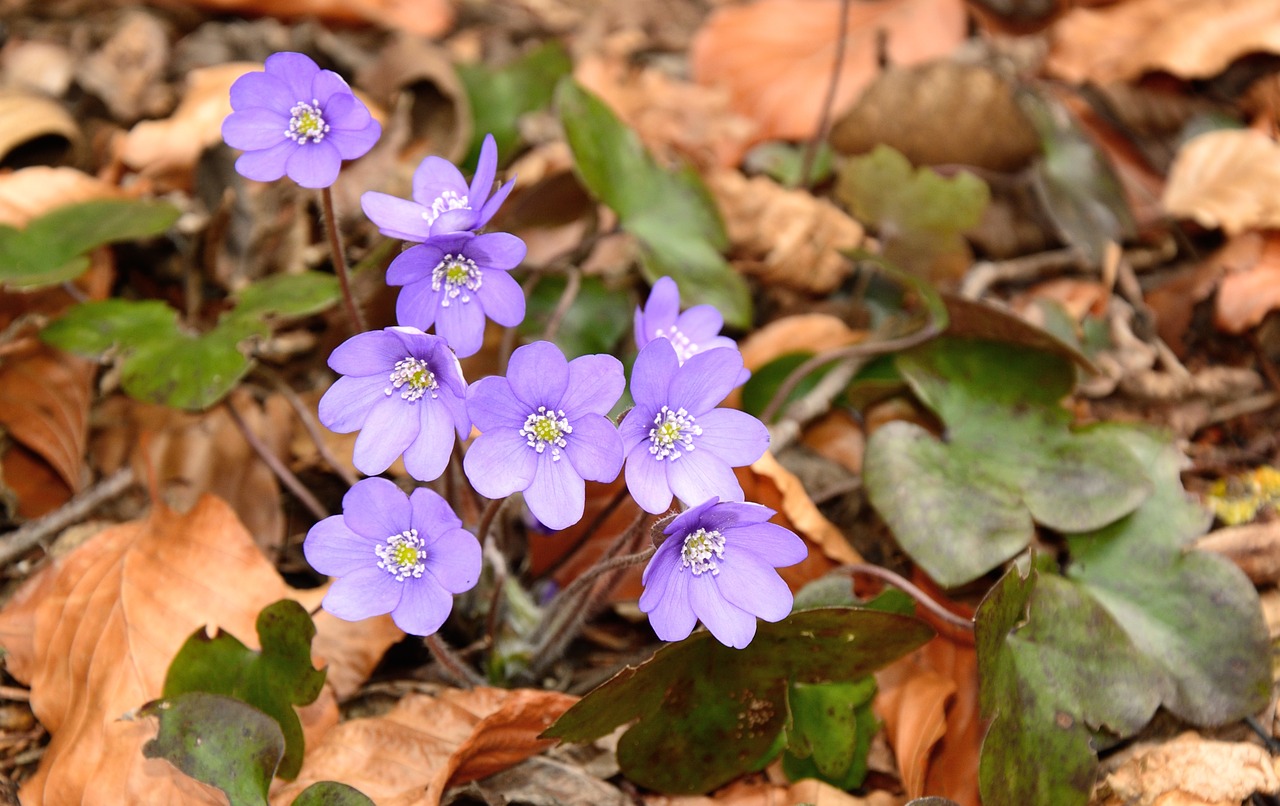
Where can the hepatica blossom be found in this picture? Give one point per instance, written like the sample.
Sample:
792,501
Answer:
544,429
397,554
443,202
294,118
717,565
455,281
404,391
676,440
691,332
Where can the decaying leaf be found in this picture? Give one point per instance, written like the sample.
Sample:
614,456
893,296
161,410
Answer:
1190,771
1226,179
1250,285
34,191
26,117
425,18
751,792
804,516
44,404
776,56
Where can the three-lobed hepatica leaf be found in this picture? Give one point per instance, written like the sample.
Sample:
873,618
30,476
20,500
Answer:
708,713
672,214
163,363
52,248
272,680
1071,663
1009,459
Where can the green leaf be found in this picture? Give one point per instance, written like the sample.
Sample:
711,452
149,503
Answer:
1194,614
830,733
1010,459
332,793
219,741
273,680
672,214
919,214
287,295
594,323
91,329
499,97
51,248
1054,667
708,713
186,372
783,162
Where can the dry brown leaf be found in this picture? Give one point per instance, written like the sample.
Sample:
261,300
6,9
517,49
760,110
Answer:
785,237
128,71
105,629
1254,547
755,792
776,57
1188,38
425,744
33,191
805,332
1226,178
351,648
426,18
1250,287
27,117
839,437
1190,771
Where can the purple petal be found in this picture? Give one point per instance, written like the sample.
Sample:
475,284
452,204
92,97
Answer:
333,549
295,70
462,323
699,475
493,407
500,463
259,89
595,384
432,515
662,307
486,169
314,165
495,201
254,129
454,560
373,353
735,436
635,427
638,330
427,456
502,298
376,509
387,432
594,448
647,480
395,218
346,404
700,324
768,542
324,86
462,220
496,250
355,143
658,573
704,380
692,518
414,264
538,374
731,625
418,305
733,515
557,495
434,176
670,614
363,594
652,374
423,607
266,165
753,586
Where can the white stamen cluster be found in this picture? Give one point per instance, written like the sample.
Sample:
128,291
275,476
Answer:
458,275
685,348
698,550
672,434
543,428
402,555
417,375
446,201
306,124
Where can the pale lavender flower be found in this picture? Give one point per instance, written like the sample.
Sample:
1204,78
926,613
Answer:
676,440
294,118
717,565
691,332
544,429
404,391
454,281
397,554
443,202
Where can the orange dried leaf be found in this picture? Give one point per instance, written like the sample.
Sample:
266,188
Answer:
1249,292
1226,179
425,18
31,192
44,404
762,793
776,56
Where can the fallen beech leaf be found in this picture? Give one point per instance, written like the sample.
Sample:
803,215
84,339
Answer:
1249,291
839,437
1191,771
426,744
755,792
44,404
34,191
116,613
425,18
799,333
1188,38
776,56
1226,178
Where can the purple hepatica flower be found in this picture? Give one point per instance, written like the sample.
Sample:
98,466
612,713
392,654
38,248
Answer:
296,119
691,332
397,554
717,564
403,390
442,200
544,429
676,440
454,281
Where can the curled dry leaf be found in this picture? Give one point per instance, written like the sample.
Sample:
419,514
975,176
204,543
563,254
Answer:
25,117
1188,38
103,632
1226,179
44,404
1250,287
1255,547
1190,771
426,744
755,792
785,237
31,192
776,56
425,18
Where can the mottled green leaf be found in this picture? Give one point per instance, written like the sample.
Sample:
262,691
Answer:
783,162
91,329
962,505
332,793
272,680
593,323
287,295
708,713
218,740
187,372
830,733
500,96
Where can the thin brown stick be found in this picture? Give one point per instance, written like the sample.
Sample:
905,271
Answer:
453,666
340,268
30,534
923,599
310,423
824,121
286,476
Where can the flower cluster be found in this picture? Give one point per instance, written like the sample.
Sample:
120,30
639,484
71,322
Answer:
545,426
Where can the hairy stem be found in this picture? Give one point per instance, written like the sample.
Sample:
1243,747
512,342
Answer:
454,667
923,599
340,261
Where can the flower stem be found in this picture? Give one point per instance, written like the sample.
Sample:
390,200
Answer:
340,261
923,599
453,666
276,466
824,121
